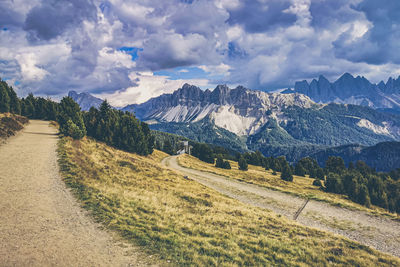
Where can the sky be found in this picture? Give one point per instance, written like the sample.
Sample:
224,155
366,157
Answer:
131,50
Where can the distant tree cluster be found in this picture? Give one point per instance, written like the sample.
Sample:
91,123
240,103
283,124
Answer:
119,129
363,184
204,152
309,166
221,163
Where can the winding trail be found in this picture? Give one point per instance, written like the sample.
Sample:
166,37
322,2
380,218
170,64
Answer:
41,224
380,233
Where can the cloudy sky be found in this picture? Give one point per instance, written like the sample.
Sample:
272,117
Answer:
131,50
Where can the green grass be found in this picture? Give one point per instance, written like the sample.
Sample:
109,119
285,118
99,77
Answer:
188,224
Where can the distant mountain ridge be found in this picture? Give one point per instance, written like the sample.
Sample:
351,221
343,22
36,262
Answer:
351,90
239,110
276,124
85,100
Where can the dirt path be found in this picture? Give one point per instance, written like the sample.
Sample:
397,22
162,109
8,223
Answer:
377,232
40,222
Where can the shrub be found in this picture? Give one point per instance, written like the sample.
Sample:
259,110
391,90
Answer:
74,131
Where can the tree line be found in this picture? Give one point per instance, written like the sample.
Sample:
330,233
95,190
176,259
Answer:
119,129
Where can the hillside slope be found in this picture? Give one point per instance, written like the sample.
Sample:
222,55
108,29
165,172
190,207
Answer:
189,224
10,124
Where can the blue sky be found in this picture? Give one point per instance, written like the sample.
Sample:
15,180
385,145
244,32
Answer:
131,50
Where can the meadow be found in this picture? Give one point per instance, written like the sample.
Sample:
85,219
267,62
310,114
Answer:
185,223
301,186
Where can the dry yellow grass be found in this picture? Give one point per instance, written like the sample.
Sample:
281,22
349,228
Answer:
189,224
301,186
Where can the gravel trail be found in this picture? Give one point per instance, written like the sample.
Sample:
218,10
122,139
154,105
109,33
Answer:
380,233
41,223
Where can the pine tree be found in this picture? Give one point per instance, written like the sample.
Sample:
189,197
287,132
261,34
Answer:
286,173
242,164
363,196
167,148
299,170
4,98
219,163
70,110
15,103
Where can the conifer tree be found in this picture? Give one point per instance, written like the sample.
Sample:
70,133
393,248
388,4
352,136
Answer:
286,173
4,99
242,164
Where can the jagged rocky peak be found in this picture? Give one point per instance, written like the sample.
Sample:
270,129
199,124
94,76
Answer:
85,100
348,89
72,94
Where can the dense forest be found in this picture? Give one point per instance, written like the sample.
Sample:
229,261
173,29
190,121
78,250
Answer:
123,130
119,129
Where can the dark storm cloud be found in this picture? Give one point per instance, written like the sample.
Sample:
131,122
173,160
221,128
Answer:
52,18
381,43
9,17
326,14
261,16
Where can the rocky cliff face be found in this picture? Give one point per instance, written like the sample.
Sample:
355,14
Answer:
352,90
239,110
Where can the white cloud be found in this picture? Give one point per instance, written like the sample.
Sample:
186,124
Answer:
221,69
29,70
148,86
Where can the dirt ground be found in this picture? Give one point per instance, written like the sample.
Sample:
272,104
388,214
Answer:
41,224
380,233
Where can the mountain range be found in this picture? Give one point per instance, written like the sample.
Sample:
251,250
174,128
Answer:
352,90
240,119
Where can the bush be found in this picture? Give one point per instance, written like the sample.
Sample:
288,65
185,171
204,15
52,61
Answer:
74,131
317,182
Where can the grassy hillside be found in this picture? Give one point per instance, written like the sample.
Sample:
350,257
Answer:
301,186
188,224
10,124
